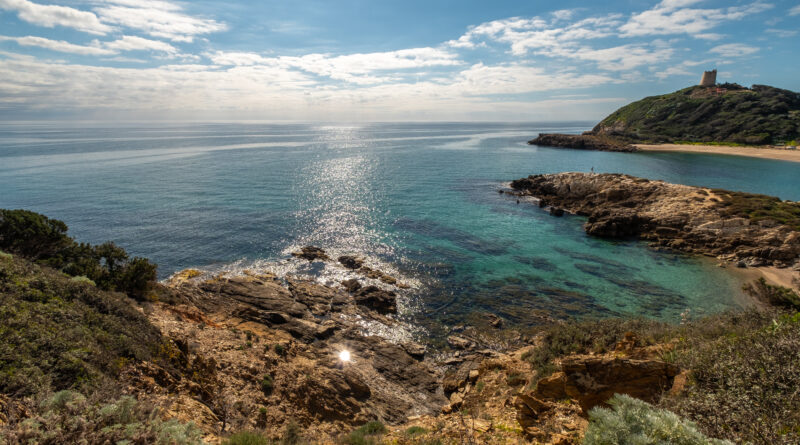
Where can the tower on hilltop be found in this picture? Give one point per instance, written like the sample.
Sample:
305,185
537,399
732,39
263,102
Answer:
709,78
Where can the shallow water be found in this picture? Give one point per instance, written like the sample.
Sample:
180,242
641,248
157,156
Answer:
418,200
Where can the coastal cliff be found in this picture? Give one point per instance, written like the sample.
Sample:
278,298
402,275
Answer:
720,114
258,357
755,230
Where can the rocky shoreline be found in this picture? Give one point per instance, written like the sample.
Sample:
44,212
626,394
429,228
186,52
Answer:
586,141
746,229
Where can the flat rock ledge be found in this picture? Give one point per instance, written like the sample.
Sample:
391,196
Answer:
697,220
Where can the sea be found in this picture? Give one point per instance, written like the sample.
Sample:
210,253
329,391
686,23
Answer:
419,201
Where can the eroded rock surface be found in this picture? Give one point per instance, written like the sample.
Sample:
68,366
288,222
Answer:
684,218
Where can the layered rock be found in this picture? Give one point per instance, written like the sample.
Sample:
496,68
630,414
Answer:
582,142
684,218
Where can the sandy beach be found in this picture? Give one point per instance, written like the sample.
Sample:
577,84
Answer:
755,152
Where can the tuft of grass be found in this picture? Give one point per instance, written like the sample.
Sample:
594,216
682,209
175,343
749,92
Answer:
367,434
415,431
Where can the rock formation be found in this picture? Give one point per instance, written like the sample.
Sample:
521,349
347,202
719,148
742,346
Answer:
753,229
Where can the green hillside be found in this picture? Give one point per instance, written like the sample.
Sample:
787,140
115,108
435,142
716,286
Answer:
727,113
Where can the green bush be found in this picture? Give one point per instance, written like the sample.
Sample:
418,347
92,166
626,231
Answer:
45,241
367,434
61,334
83,279
632,421
68,417
415,431
267,384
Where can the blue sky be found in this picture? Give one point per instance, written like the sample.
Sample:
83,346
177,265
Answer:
378,60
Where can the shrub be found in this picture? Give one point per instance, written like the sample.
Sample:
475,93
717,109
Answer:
61,334
589,336
744,383
291,435
45,241
773,295
247,438
267,384
69,417
415,431
32,235
632,421
83,279
366,434
280,349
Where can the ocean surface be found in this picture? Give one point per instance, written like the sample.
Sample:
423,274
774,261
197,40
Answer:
417,200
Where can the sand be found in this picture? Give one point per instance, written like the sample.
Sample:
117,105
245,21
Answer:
755,152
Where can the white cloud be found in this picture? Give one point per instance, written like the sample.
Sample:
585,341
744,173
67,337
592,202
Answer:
672,17
353,68
782,32
53,15
59,45
734,50
795,10
96,48
134,43
157,18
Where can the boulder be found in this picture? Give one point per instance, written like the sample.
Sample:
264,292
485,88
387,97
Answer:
311,253
350,261
375,298
592,380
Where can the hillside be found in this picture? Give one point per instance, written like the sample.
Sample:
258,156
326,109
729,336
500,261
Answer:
727,113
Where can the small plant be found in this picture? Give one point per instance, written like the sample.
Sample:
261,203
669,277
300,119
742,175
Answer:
366,434
247,438
291,435
280,349
515,379
479,386
248,345
415,431
632,421
83,279
267,384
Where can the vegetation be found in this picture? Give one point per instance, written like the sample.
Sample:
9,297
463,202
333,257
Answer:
632,421
745,384
63,334
759,207
773,295
45,241
589,336
367,434
267,385
69,417
760,115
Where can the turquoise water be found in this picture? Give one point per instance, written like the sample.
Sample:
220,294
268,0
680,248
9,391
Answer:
419,200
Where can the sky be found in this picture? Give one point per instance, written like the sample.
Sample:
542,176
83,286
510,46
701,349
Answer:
359,60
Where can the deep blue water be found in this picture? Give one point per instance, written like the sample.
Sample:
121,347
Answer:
419,200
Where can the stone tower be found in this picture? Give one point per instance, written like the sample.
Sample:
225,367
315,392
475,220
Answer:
709,79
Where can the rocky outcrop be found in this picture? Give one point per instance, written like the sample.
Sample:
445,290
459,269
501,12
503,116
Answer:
582,142
311,253
295,330
689,219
